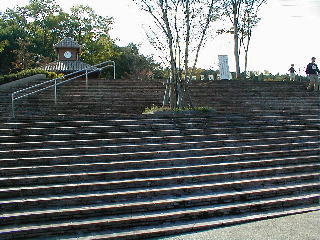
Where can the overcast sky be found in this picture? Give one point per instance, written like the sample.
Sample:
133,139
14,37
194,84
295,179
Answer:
289,32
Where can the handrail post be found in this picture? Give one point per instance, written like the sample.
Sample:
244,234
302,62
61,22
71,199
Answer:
12,105
55,91
86,78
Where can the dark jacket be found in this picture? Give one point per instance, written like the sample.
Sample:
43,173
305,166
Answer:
291,70
312,68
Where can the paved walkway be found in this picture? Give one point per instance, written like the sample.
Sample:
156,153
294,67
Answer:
296,227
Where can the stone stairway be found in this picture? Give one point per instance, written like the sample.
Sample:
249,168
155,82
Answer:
89,168
133,96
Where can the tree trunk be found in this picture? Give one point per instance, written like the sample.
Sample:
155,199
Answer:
173,64
173,84
236,40
245,63
184,81
246,53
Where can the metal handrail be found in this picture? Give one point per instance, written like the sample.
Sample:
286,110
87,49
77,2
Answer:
86,71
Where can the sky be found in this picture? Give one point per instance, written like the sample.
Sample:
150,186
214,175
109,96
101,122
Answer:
289,32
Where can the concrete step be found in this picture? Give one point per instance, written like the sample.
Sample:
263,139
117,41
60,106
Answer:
76,140
155,218
23,131
99,210
120,119
244,187
84,176
105,90
95,118
192,154
188,226
218,163
245,143
138,110
144,186
147,129
136,151
91,167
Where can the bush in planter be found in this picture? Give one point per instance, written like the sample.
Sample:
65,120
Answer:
153,109
23,74
52,75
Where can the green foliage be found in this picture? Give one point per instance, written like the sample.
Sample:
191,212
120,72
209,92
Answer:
205,72
23,74
129,62
29,33
284,77
53,75
86,25
153,109
25,59
132,64
3,44
31,29
254,76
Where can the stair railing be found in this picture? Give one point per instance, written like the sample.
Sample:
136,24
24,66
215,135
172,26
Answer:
54,83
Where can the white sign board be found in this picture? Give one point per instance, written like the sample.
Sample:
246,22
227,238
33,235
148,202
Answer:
202,77
211,77
224,67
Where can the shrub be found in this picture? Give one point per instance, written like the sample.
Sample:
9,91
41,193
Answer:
154,108
23,74
52,75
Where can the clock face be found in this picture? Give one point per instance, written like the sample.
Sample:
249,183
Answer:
67,54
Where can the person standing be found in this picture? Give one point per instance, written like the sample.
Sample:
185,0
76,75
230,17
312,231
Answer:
312,71
292,73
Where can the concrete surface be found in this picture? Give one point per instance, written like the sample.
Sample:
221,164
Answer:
295,227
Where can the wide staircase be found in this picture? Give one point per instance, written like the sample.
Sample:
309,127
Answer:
92,166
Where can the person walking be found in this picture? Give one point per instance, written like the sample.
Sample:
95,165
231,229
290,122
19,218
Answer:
292,73
312,71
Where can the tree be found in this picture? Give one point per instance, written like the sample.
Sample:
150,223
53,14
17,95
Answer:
3,44
85,23
45,25
37,24
28,33
10,32
243,17
137,65
232,9
179,31
41,24
249,20
25,58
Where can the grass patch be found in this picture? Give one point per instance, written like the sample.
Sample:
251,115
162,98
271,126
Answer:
157,109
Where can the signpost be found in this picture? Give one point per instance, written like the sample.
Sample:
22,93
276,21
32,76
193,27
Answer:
224,67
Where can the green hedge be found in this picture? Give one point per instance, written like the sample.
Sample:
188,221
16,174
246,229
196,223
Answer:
26,73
